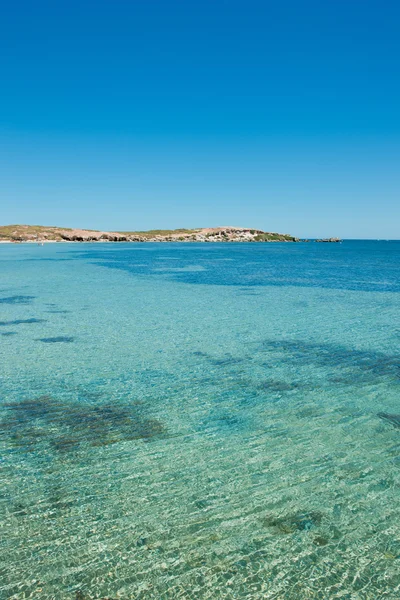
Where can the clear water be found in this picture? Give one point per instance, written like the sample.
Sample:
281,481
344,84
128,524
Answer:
200,421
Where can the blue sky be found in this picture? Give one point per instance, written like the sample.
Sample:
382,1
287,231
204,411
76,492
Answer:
155,114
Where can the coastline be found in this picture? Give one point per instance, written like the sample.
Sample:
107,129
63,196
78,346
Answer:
38,234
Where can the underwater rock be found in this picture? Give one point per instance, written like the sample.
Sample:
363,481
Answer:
141,542
347,365
278,386
393,419
223,361
320,541
61,339
17,300
65,444
64,426
226,361
292,523
21,322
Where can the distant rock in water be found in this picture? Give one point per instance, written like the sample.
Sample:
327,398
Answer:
391,418
332,239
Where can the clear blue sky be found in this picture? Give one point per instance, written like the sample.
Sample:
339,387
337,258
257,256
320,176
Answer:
131,114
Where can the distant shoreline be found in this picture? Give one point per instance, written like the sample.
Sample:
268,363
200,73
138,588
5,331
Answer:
40,234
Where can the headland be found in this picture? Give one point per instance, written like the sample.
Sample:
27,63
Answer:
39,234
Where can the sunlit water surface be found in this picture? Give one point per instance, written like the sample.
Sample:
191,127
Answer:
200,421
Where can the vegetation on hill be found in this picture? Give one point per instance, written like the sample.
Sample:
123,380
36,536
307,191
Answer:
275,237
164,232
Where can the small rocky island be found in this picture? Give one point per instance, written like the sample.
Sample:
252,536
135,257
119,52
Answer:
41,234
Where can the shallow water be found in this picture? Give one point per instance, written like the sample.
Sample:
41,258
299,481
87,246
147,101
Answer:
200,421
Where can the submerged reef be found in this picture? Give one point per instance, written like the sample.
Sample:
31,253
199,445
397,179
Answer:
346,363
390,418
17,300
292,523
33,425
66,339
21,322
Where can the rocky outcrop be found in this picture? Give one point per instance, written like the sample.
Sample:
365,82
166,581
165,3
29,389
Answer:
332,239
222,234
81,235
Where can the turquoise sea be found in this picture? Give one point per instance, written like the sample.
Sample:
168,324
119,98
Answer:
200,421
